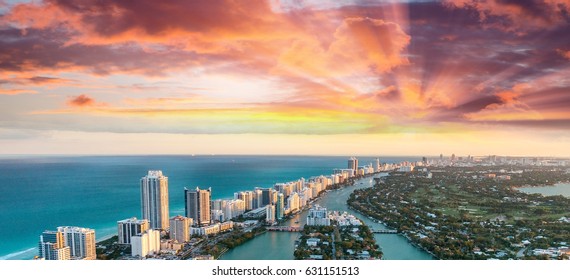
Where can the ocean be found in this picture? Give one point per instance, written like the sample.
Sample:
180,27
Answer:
43,192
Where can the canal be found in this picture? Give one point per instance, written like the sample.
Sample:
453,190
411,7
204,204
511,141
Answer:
280,245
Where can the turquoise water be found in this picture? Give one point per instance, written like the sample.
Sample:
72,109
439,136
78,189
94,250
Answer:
41,193
556,189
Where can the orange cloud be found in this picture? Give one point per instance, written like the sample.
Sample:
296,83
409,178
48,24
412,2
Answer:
16,91
201,26
565,54
80,101
512,96
408,62
360,45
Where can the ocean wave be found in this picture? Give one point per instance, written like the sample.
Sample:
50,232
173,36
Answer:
12,255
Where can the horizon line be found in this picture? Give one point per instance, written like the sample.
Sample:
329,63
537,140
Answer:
272,155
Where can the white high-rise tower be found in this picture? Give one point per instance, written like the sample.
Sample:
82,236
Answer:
154,199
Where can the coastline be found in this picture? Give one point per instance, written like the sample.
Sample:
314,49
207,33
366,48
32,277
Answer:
323,193
308,206
542,186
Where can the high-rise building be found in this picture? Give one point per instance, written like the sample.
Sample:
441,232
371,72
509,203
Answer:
180,228
197,205
145,244
154,199
353,164
280,206
257,199
52,246
293,202
234,208
130,227
247,198
81,242
378,166
270,213
267,196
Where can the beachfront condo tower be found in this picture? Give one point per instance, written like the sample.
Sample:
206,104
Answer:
197,205
154,199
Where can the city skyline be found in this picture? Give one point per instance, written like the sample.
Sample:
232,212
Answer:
285,77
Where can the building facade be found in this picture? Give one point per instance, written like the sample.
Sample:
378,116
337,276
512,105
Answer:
318,216
81,242
280,207
130,227
180,228
270,213
52,246
212,229
353,164
197,205
145,244
154,199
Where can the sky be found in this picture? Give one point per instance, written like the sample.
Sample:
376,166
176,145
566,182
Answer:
470,77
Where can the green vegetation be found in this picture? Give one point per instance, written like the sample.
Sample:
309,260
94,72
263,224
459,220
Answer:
356,240
109,249
462,214
230,241
238,237
337,242
323,248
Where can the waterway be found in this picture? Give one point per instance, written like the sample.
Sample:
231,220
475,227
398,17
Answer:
280,245
556,189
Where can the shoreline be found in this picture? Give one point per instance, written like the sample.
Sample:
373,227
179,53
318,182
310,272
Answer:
306,208
542,186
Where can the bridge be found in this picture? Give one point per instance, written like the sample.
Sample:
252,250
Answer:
284,228
384,231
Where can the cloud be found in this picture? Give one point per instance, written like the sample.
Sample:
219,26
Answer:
565,54
39,80
16,91
42,51
380,65
82,100
36,81
200,26
360,46
518,15
522,104
537,124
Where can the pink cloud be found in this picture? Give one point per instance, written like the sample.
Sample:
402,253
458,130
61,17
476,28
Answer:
82,100
521,15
